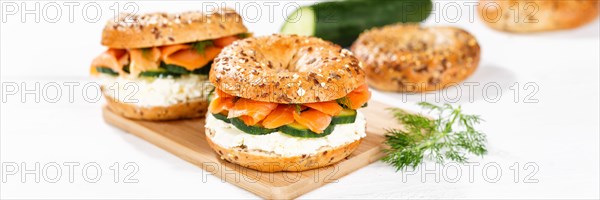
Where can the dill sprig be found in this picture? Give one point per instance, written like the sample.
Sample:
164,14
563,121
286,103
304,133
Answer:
298,108
344,102
201,46
244,35
450,136
147,52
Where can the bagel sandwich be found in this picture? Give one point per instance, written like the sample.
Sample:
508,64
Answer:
286,103
156,65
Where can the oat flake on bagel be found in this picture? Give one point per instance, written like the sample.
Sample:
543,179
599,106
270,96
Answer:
287,69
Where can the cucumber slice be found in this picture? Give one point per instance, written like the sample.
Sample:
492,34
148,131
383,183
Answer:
221,117
106,70
176,69
298,130
203,70
126,68
300,22
342,21
254,130
347,116
159,74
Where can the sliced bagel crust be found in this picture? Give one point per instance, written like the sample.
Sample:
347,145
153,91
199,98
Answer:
525,16
157,29
410,58
270,162
286,69
190,109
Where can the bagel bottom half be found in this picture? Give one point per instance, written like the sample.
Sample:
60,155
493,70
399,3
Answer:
185,110
156,99
270,162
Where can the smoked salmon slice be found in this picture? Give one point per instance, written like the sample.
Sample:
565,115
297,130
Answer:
282,115
144,60
331,108
224,41
358,97
254,110
166,51
220,104
114,59
187,57
313,119
247,120
220,93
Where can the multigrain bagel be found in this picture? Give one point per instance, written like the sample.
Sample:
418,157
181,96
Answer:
410,58
159,29
535,16
166,58
286,103
286,69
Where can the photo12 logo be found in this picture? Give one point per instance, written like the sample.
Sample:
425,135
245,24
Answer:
237,174
93,12
71,172
470,92
67,11
52,91
490,172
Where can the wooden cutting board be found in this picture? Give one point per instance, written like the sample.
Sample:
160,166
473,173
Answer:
186,139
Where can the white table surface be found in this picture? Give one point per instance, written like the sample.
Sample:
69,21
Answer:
557,137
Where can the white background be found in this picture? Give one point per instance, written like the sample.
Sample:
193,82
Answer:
558,135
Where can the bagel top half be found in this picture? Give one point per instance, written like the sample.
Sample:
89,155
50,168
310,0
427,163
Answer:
129,31
286,69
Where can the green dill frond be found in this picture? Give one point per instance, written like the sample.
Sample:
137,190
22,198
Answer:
244,35
211,94
146,52
450,136
344,102
201,46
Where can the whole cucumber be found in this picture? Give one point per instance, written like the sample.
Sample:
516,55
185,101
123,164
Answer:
342,21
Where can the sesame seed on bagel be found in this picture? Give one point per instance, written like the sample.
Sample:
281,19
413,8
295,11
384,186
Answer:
130,31
287,69
410,58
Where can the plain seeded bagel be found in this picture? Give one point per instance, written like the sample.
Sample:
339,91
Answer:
158,29
537,15
270,162
286,69
410,58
